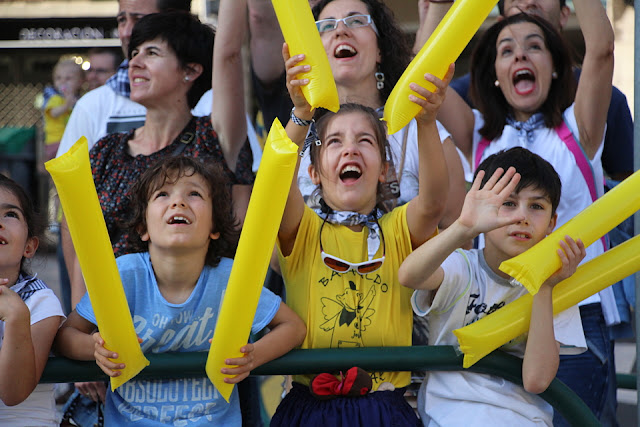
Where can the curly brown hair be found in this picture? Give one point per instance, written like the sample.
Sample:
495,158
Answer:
170,170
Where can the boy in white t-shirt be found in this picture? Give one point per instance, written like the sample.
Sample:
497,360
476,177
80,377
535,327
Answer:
515,210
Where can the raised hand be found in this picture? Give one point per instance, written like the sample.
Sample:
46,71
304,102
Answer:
480,212
293,83
431,101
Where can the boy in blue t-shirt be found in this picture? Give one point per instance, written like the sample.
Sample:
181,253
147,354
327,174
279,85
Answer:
183,226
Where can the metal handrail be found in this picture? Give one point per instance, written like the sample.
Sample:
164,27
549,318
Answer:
417,358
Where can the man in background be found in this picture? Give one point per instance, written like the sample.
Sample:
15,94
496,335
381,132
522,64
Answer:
103,63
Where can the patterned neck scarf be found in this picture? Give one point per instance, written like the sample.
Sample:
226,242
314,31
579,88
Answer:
27,286
119,82
525,129
349,218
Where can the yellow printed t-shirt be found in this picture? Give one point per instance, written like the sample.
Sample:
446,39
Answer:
350,310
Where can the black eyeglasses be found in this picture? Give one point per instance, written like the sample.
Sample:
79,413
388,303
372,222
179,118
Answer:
353,21
341,266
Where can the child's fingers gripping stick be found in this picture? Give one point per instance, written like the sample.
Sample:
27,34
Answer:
571,254
105,357
239,366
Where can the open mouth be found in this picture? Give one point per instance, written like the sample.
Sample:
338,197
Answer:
3,242
344,51
177,219
521,236
350,173
524,81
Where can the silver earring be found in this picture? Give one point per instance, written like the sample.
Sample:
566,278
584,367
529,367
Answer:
187,78
379,80
496,83
554,75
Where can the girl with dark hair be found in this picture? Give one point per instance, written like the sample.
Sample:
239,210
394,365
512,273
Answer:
340,263
30,315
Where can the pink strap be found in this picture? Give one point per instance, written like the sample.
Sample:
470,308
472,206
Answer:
567,137
482,145
581,159
583,164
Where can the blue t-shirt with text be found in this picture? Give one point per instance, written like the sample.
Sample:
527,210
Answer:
167,327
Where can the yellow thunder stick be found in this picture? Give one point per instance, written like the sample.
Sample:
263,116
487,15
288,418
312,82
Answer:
255,247
487,334
300,32
534,266
443,47
71,174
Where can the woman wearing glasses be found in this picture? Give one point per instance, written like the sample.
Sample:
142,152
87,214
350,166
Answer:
340,264
368,52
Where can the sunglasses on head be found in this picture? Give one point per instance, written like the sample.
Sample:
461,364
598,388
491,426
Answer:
353,21
341,266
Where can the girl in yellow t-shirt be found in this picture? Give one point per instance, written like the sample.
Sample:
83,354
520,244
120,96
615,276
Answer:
340,264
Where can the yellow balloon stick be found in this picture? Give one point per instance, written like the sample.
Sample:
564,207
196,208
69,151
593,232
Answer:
71,174
534,266
299,30
487,334
444,46
255,247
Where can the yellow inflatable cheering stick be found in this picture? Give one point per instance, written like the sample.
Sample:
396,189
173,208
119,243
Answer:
255,247
300,32
443,47
487,334
71,174
533,267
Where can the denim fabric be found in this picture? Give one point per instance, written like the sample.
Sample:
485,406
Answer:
624,290
82,410
591,375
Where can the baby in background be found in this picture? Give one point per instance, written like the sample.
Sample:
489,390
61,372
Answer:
68,78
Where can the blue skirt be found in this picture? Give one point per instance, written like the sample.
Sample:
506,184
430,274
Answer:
381,408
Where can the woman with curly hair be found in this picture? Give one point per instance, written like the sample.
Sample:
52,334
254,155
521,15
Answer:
368,52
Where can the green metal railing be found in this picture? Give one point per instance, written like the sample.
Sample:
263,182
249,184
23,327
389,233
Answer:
418,358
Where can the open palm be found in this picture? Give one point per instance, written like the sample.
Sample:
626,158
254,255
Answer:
480,212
